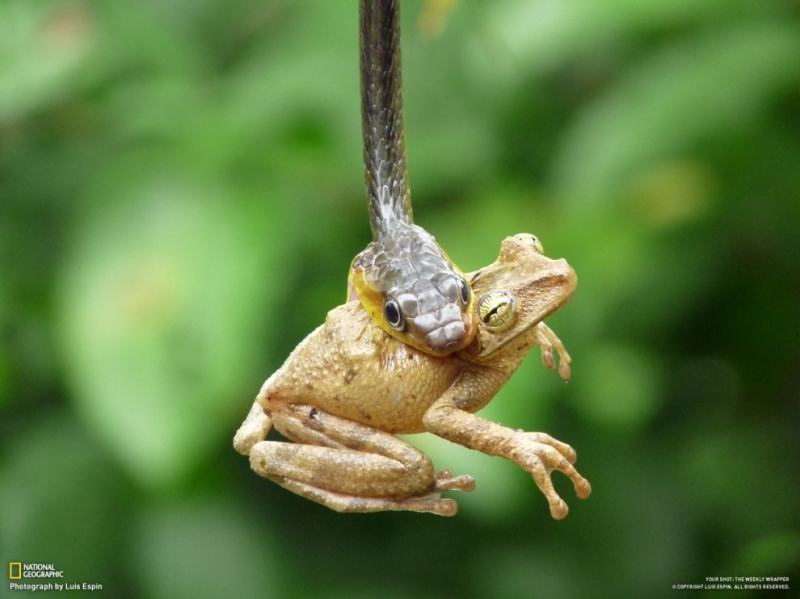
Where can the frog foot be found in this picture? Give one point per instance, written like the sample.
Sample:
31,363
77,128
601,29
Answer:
540,454
549,342
445,481
255,428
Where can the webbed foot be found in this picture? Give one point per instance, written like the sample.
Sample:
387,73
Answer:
540,454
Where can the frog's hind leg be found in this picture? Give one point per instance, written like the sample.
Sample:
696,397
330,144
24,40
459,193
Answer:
255,428
306,424
347,466
352,503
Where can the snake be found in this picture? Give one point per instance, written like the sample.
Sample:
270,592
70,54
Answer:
403,279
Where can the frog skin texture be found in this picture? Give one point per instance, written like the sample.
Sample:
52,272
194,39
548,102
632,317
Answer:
348,387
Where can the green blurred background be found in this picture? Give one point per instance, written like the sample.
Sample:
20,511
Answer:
181,193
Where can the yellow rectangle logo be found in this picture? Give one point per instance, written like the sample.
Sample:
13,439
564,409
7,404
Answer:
15,570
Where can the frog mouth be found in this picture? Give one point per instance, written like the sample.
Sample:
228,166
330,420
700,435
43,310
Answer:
537,298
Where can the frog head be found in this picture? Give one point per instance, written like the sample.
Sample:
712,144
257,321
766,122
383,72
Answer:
516,292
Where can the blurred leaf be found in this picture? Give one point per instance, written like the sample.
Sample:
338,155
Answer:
605,251
5,349
694,89
205,549
673,194
544,33
617,387
732,453
277,86
776,554
514,573
42,46
160,305
60,500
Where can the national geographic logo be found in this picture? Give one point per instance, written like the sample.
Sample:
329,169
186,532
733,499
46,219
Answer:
20,570
35,576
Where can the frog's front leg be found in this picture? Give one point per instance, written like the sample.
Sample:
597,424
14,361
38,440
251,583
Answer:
539,454
349,467
548,342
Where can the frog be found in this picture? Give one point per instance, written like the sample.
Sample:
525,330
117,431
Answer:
348,389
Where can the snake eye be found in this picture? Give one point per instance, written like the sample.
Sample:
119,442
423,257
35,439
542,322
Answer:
497,310
391,310
465,291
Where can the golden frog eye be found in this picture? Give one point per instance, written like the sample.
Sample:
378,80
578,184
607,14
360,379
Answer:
537,245
497,310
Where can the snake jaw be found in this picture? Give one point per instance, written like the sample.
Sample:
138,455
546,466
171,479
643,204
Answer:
438,333
446,331
409,270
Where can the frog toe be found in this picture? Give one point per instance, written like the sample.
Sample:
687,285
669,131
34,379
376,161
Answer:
445,481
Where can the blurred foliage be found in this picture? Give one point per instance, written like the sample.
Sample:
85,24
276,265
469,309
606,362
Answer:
181,194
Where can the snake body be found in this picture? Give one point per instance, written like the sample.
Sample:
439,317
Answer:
404,280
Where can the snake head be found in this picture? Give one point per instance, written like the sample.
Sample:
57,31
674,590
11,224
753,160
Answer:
414,292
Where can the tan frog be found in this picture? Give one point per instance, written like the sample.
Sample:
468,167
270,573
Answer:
348,386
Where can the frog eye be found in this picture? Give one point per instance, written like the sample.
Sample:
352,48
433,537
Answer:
466,292
537,245
393,315
497,310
